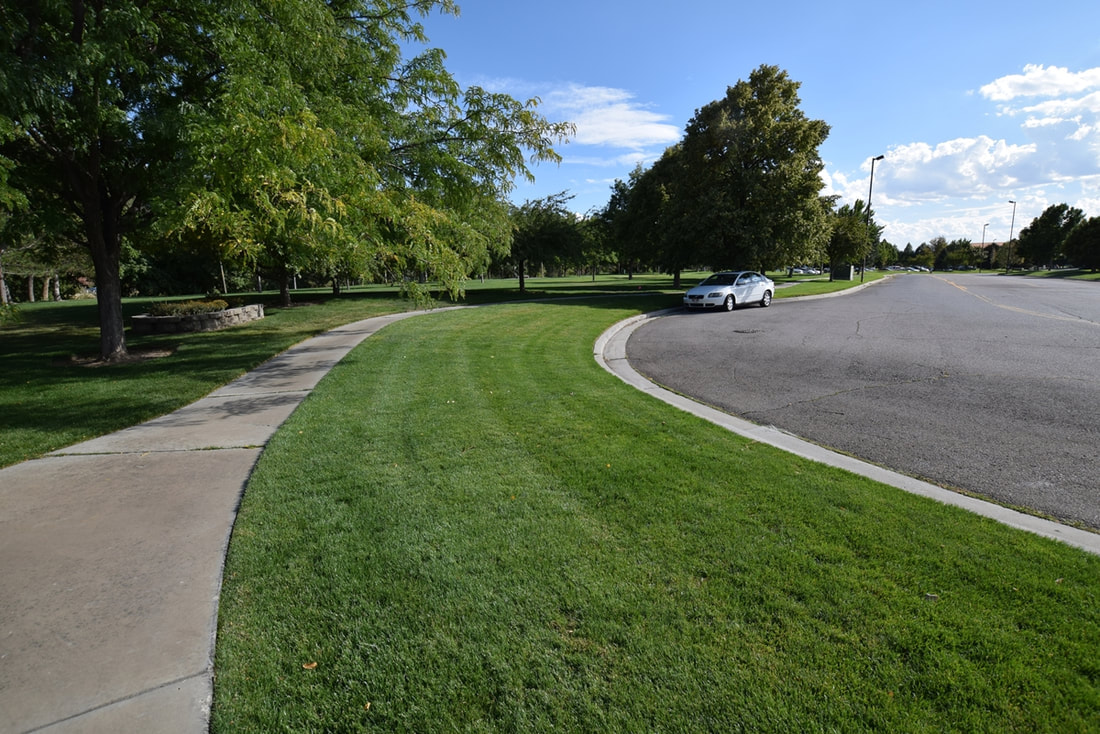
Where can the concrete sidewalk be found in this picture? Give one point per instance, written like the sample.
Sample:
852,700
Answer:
111,553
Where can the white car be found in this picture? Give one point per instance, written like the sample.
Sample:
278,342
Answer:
728,289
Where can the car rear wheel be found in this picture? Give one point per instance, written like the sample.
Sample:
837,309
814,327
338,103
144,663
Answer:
766,300
728,303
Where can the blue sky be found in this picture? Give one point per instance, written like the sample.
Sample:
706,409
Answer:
972,103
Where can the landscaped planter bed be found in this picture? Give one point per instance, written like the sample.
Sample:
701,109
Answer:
179,324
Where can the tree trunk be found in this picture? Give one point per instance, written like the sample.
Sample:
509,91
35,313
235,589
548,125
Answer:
101,214
105,243
284,286
30,288
56,287
676,278
3,287
522,280
108,294
46,289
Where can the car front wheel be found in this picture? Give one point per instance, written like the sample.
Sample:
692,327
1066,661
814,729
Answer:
728,303
766,300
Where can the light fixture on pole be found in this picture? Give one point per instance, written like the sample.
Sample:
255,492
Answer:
870,188
1008,257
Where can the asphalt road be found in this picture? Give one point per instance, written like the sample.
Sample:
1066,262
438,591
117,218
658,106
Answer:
983,383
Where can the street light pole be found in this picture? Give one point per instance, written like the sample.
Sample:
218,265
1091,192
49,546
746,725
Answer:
1008,256
983,243
870,188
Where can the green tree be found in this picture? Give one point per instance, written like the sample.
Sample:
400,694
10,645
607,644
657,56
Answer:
960,254
655,223
598,251
852,237
613,218
1082,245
887,254
905,257
389,166
752,178
294,133
630,218
938,247
1040,243
94,95
544,232
924,255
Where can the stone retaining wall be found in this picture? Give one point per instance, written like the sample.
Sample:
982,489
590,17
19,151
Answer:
145,324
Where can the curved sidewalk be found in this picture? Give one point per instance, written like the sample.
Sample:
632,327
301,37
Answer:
112,552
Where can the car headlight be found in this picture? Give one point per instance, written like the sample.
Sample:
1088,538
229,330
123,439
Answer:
715,294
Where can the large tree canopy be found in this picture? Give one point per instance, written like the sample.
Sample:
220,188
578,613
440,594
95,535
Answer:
741,189
285,132
544,232
1040,243
1082,245
754,174
852,237
94,95
650,217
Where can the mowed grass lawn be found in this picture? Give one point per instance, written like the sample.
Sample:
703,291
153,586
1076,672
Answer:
50,397
470,526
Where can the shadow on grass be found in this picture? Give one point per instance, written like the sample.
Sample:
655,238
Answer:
50,397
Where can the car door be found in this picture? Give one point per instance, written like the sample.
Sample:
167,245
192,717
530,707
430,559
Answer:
742,289
749,291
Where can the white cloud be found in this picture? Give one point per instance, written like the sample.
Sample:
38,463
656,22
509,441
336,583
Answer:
604,116
625,161
1041,81
1084,132
1062,108
1074,102
610,117
1043,121
921,172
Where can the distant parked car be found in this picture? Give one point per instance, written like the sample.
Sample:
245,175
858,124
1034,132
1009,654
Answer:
728,289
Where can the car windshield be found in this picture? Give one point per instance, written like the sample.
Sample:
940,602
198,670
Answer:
720,279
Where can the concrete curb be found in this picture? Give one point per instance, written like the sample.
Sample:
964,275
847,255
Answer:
610,353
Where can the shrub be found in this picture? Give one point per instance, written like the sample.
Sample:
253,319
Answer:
9,314
187,308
